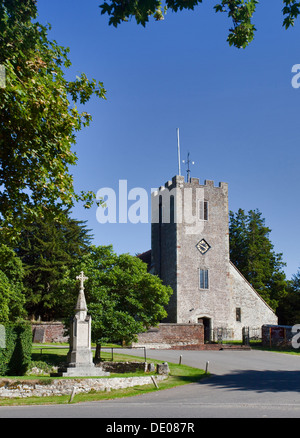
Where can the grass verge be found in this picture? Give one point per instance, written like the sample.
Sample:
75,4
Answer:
179,375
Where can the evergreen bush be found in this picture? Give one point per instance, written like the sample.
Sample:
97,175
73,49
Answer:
16,356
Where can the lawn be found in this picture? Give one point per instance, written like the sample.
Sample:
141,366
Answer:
179,375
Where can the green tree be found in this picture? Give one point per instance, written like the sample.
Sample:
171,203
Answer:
12,298
295,282
240,13
238,232
253,254
39,118
123,298
48,250
289,306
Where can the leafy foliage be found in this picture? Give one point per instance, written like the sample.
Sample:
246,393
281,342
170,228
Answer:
239,11
12,298
38,119
291,10
123,298
289,307
16,356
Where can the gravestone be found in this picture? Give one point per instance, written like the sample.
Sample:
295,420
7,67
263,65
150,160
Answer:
39,335
80,356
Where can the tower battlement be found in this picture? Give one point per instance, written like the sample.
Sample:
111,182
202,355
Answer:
179,182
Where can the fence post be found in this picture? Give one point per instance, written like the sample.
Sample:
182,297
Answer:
154,382
72,394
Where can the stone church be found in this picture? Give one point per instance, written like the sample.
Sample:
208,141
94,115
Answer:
190,252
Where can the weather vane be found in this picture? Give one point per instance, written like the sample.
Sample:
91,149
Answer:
188,162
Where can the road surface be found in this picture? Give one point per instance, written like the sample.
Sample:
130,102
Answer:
243,384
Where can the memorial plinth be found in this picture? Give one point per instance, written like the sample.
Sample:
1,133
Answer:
80,356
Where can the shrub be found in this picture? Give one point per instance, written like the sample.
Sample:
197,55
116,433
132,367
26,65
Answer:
16,356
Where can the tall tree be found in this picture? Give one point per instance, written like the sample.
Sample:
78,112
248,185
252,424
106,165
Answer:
48,250
289,306
253,254
240,12
39,119
123,298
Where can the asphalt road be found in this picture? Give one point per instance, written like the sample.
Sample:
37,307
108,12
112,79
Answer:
244,384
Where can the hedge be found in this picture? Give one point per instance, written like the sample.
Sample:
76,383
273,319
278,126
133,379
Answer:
16,356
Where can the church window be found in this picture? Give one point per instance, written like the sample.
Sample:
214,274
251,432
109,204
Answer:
238,314
203,284
203,210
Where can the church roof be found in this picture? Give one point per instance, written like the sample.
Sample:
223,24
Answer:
146,258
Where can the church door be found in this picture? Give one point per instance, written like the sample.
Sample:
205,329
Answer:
207,328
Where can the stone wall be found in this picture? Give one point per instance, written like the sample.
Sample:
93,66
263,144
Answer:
254,311
43,332
180,260
195,303
277,335
123,367
168,336
10,388
176,257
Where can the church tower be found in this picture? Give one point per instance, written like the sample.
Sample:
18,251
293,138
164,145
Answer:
190,252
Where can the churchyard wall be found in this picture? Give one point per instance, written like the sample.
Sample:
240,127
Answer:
163,336
43,332
168,336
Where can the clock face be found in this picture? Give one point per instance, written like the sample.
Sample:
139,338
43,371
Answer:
203,246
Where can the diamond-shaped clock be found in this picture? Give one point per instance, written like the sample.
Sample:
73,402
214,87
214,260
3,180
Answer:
203,246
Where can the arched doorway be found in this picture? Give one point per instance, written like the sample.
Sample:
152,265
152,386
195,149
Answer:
207,327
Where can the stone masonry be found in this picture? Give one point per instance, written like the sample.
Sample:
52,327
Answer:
169,336
190,252
10,388
44,332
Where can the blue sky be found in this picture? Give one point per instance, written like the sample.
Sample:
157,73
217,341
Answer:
237,112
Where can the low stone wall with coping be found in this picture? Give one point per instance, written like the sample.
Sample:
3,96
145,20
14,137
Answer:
11,388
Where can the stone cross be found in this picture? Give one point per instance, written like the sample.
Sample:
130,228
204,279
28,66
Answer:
82,279
80,356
